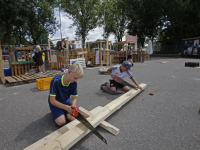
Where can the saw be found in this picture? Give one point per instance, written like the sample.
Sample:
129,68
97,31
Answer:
119,80
86,123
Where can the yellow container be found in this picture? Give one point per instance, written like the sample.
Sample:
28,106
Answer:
44,83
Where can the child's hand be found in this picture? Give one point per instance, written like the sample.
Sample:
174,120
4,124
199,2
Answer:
139,87
70,110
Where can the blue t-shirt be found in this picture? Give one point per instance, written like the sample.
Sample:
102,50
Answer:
62,92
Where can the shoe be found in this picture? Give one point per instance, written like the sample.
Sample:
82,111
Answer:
103,85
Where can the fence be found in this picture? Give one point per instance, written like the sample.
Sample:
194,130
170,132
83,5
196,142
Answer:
167,49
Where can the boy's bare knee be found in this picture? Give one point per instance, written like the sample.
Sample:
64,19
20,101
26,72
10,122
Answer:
126,89
70,118
60,122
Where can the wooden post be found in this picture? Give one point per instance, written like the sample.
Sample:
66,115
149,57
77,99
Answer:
126,46
49,44
101,54
2,75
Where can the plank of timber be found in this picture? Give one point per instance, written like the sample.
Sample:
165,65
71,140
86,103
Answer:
68,139
32,76
19,69
79,53
27,78
10,79
21,78
40,75
107,126
2,75
17,78
51,137
12,70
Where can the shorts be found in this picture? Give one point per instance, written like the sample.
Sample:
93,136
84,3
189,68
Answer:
129,56
116,84
57,112
39,62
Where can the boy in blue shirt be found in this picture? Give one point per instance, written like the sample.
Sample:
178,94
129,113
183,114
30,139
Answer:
61,88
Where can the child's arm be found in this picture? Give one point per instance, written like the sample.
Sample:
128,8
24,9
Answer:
56,103
133,79
110,73
73,100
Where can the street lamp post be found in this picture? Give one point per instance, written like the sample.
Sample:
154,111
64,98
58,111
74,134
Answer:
60,22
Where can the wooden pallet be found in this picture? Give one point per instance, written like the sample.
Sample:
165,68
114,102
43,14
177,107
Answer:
29,78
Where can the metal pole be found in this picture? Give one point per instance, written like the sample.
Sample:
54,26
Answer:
60,22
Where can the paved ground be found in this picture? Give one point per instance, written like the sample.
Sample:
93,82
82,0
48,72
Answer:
167,120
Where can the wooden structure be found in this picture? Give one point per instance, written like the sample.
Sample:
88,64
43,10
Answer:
29,78
21,60
137,56
68,135
2,76
105,56
61,59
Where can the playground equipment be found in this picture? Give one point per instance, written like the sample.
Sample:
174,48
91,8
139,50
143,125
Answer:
61,58
21,60
138,56
98,55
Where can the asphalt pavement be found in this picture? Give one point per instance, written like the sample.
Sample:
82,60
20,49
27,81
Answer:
168,120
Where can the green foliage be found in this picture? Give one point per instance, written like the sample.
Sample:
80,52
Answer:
84,13
115,18
26,20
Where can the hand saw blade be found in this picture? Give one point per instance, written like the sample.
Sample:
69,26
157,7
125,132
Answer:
126,83
90,127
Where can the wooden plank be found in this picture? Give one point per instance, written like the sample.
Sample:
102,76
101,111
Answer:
25,60
28,60
67,139
19,69
27,78
107,126
12,70
2,75
22,66
51,137
21,78
17,78
10,79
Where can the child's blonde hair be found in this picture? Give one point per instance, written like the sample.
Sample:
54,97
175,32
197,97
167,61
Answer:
76,68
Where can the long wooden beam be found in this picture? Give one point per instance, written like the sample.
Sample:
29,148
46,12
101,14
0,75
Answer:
51,137
61,139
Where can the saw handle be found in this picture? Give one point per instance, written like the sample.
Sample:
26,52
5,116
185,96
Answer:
116,78
76,111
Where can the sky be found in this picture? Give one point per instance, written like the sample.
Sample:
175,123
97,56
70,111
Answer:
70,32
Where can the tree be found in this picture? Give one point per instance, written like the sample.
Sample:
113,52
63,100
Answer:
146,17
8,15
182,21
116,20
40,19
27,20
85,14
